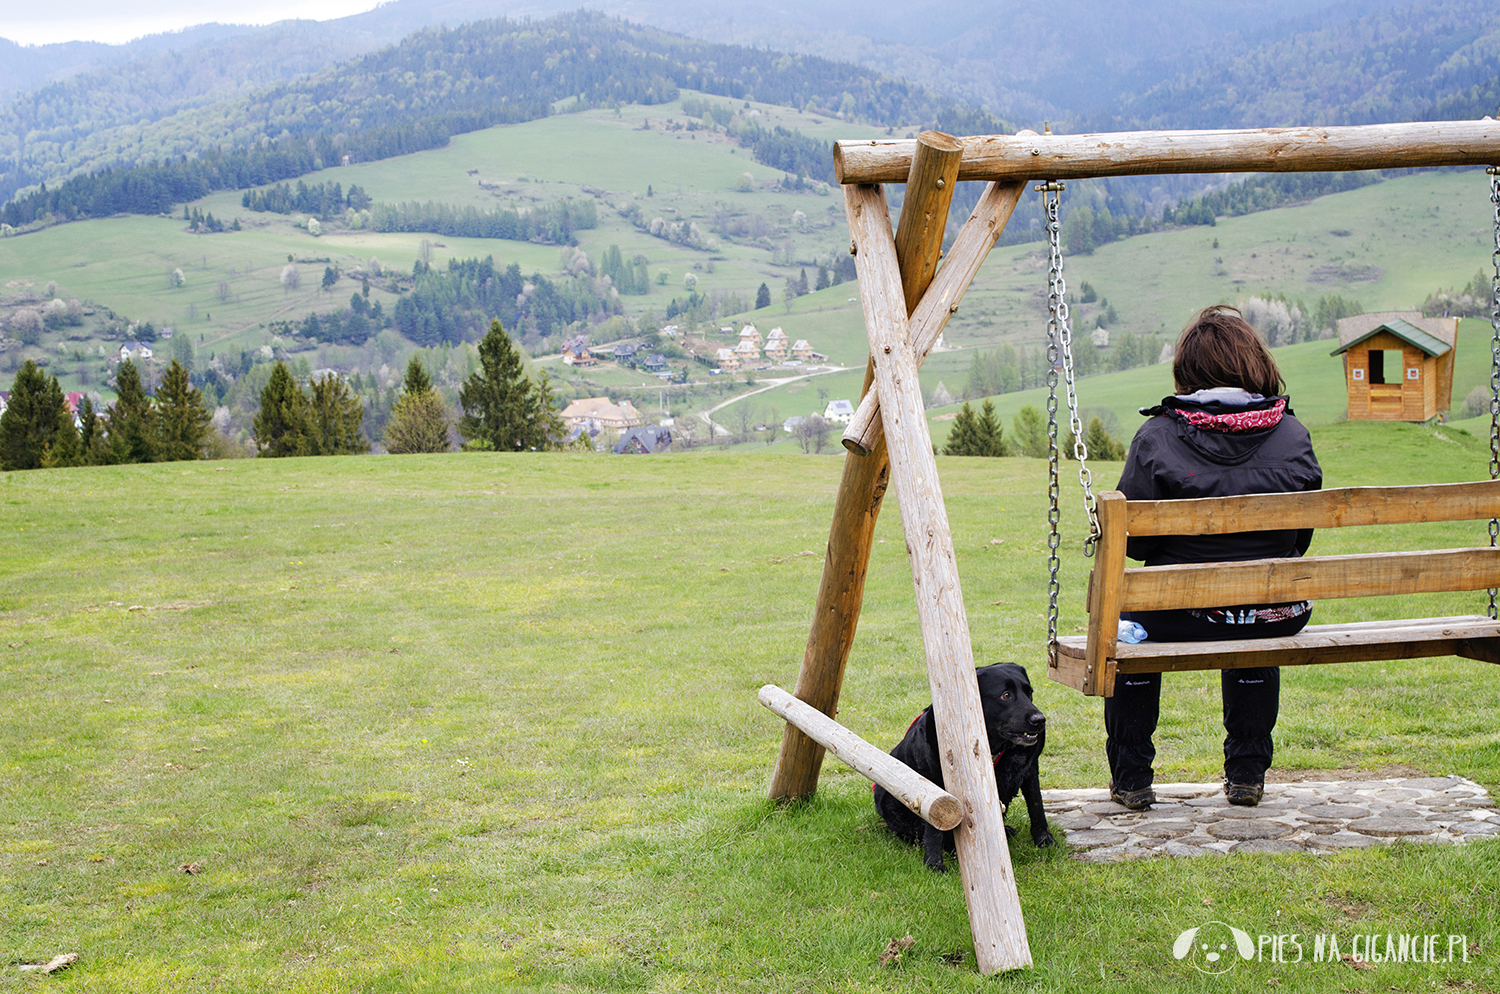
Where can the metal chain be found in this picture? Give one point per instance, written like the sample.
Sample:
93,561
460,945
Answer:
1058,324
1060,353
1494,172
1054,351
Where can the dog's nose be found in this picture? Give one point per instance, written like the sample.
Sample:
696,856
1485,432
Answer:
1037,719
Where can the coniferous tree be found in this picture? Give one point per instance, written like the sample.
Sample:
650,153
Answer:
503,409
975,435
36,428
182,420
1100,444
1030,433
762,297
93,447
419,420
283,426
335,417
132,435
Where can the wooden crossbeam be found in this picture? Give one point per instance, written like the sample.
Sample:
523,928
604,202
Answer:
983,856
1130,153
926,799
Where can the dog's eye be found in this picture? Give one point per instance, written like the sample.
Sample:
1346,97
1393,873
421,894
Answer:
1005,696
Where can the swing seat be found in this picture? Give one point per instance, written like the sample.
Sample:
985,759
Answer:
1090,663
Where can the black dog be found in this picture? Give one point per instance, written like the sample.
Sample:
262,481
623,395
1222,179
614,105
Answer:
1017,732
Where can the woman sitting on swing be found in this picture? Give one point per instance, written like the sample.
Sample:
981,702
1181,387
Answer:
1228,431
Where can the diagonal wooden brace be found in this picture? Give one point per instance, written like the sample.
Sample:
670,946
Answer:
983,856
940,301
919,243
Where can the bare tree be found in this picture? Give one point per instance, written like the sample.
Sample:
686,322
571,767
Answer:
742,423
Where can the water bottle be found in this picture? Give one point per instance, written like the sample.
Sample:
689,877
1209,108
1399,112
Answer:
1131,632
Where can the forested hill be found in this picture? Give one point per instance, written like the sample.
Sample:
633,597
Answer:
440,82
1436,60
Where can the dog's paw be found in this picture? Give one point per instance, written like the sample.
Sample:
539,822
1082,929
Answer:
938,867
1010,831
1042,840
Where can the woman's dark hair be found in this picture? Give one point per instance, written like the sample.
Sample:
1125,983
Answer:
1218,348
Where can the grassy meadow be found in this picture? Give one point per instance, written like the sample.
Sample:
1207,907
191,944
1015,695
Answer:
488,722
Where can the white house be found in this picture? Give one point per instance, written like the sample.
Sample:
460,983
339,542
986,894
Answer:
135,350
839,412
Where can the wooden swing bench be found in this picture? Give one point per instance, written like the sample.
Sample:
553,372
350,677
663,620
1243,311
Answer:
1091,663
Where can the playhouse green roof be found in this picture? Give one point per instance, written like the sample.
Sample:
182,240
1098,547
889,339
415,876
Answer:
1407,332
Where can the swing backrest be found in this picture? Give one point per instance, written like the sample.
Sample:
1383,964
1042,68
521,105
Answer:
1113,588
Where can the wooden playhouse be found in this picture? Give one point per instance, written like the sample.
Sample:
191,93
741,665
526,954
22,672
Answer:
1398,365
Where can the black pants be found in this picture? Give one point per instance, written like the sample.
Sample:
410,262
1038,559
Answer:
1251,700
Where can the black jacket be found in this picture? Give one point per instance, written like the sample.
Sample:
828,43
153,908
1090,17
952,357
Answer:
1170,458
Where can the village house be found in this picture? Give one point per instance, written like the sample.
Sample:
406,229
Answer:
776,345
599,412
727,360
749,334
654,363
803,351
747,353
575,352
135,350
625,353
644,441
839,412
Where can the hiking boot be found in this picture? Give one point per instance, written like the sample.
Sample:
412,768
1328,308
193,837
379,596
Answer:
1245,794
1135,800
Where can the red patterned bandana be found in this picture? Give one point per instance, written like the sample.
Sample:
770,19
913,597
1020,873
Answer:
1240,421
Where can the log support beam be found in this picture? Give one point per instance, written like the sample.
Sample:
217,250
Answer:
1134,153
924,798
963,743
862,488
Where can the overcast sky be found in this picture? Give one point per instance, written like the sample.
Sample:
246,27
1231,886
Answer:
114,21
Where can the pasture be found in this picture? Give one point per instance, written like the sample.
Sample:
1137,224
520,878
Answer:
487,722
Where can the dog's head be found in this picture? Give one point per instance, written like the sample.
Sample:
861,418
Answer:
1010,718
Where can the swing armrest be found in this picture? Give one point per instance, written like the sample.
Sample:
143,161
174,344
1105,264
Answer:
1106,596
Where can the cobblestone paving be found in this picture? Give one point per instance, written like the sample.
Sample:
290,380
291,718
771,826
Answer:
1194,819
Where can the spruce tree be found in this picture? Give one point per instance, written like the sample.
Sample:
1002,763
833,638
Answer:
963,436
132,436
975,435
1100,444
93,448
182,420
335,418
1030,433
502,408
419,420
37,428
762,297
283,426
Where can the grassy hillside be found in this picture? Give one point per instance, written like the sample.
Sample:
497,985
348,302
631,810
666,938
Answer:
488,723
1387,245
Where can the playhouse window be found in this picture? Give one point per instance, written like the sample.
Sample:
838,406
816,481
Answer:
1383,360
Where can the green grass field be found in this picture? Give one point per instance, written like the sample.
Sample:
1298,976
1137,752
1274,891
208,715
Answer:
480,722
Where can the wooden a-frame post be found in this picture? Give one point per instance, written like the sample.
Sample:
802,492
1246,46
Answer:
895,270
